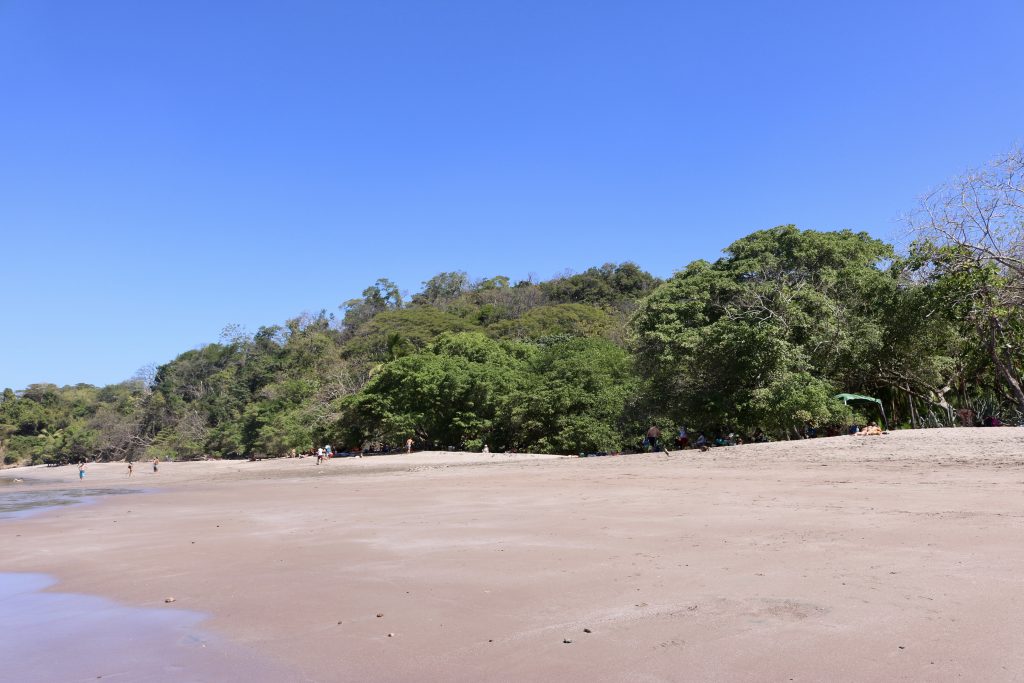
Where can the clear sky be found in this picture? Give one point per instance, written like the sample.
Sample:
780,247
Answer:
168,168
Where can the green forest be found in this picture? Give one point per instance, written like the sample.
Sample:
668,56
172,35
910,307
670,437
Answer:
761,339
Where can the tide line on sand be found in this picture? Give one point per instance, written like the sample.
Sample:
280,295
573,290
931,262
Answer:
55,636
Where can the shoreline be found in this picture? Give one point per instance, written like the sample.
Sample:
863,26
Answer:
54,635
177,472
744,564
29,502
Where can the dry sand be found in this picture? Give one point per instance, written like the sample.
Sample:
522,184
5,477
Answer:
868,559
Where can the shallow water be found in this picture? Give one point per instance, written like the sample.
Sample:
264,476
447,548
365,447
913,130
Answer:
26,502
53,636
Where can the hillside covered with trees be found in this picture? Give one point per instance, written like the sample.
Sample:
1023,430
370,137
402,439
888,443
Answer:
762,338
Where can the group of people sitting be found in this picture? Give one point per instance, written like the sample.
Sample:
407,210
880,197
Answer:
871,429
968,418
684,439
652,441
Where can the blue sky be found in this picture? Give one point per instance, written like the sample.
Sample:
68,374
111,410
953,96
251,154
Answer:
168,168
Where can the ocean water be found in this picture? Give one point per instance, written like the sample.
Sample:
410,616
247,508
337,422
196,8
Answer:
52,636
26,501
49,636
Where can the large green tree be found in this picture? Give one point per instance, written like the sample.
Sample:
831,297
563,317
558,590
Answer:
574,399
759,337
449,395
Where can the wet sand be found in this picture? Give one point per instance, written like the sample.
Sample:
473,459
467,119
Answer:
51,636
877,559
28,500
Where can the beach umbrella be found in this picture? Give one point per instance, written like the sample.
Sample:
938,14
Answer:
846,398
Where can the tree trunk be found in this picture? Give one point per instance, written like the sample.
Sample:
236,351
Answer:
1004,369
914,421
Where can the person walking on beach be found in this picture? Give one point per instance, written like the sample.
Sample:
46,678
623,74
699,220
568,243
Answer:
156,465
130,468
653,434
81,471
408,445
319,456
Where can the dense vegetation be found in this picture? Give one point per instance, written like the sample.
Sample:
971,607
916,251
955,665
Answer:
763,338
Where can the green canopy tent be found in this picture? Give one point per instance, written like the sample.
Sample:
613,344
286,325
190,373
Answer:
846,398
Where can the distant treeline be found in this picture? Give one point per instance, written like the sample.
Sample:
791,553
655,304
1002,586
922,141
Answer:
762,338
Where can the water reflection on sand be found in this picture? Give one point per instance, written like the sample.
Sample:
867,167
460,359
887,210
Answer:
26,501
52,636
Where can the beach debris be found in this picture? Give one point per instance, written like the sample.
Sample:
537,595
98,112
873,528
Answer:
391,635
168,599
380,614
587,630
566,641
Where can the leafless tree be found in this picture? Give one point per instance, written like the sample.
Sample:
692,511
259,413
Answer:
982,213
118,436
146,376
974,225
336,383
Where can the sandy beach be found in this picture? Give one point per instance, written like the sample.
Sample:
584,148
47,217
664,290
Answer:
867,559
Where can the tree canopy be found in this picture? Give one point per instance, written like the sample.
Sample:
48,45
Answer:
762,338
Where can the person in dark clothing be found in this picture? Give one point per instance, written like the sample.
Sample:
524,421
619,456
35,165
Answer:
653,435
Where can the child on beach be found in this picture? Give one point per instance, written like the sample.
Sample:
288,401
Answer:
81,471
